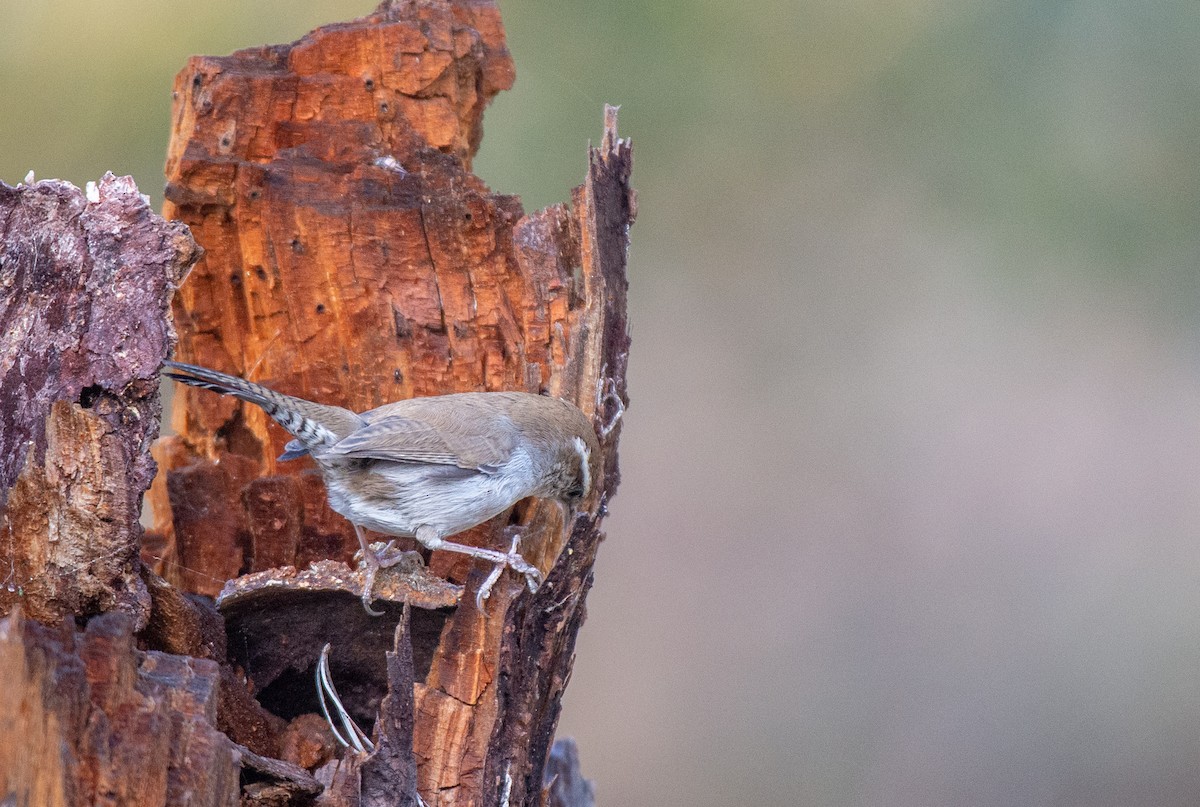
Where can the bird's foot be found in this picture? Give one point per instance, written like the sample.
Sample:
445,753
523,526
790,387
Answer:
606,393
533,576
373,557
390,556
514,560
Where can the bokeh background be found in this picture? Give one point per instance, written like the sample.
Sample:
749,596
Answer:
911,499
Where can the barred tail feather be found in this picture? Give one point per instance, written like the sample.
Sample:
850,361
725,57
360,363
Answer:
298,416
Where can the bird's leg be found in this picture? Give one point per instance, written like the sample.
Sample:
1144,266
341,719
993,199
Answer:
512,559
371,561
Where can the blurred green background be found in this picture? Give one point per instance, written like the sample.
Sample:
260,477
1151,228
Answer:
911,504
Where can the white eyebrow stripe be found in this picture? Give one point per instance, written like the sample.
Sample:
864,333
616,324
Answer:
585,470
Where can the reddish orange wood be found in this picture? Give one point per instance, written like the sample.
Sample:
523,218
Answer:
352,258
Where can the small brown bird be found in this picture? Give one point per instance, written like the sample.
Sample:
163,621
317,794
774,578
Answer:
429,468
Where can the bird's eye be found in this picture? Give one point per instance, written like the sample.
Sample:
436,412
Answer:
575,491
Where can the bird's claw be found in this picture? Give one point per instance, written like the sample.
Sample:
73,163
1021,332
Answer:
485,589
513,560
372,566
533,576
606,391
376,557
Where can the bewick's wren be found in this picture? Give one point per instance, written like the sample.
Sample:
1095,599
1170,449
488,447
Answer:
429,468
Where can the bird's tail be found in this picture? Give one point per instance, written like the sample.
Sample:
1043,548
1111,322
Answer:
313,424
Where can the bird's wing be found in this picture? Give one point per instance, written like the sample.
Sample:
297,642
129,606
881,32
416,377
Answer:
406,439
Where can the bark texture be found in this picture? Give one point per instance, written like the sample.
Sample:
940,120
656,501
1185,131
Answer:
85,285
352,258
89,714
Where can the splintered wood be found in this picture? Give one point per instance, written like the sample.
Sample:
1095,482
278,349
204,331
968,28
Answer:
352,258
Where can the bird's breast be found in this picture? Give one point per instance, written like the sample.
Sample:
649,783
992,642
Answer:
396,498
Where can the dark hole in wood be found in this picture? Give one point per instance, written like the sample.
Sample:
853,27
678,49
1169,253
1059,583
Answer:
88,395
277,644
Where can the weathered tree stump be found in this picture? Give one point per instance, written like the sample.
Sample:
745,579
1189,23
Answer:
352,258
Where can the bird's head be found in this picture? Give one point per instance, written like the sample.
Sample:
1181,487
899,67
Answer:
575,468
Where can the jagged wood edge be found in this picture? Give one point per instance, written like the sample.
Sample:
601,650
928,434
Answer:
543,628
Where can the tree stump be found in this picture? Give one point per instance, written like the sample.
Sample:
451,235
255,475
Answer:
353,259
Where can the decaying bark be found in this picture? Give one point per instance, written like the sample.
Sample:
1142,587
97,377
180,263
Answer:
84,290
351,258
